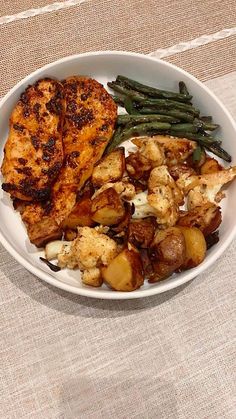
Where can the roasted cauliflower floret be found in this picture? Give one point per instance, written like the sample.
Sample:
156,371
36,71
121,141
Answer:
151,150
92,277
205,188
176,150
160,204
90,249
161,176
124,188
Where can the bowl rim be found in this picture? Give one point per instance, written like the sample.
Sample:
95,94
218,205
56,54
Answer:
110,294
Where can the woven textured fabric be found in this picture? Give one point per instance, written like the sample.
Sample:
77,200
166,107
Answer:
170,356
208,61
13,7
106,24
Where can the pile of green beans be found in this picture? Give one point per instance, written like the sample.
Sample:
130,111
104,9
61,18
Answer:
153,111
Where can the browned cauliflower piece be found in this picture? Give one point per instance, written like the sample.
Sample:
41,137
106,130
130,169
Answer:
205,188
90,249
124,188
161,176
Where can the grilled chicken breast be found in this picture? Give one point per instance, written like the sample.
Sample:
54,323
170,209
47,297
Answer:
33,153
89,122
88,126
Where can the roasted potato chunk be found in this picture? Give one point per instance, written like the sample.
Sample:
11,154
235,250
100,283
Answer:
167,253
125,272
210,166
207,218
110,168
141,232
123,226
107,208
195,247
80,215
70,234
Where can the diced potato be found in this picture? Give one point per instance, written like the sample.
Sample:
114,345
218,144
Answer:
125,272
70,234
167,253
80,215
141,232
110,168
195,247
123,226
210,166
107,208
207,218
92,277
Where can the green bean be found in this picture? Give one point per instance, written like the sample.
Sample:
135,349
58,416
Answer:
169,104
119,100
184,128
197,154
115,141
138,97
182,116
152,91
206,118
139,130
193,136
145,101
183,88
129,106
207,126
140,119
217,150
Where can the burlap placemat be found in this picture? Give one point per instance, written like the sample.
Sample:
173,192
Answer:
133,25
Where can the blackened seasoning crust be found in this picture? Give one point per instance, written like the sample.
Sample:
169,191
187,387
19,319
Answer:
82,118
34,149
84,143
18,127
89,108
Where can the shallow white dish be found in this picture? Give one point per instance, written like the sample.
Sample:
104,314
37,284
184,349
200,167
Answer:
105,66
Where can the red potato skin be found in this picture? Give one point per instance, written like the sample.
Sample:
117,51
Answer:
168,255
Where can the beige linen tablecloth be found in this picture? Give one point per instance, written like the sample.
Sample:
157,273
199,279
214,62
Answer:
169,356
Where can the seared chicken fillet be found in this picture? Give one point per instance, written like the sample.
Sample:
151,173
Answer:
88,126
33,153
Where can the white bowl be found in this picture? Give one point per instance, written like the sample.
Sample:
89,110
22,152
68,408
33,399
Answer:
105,66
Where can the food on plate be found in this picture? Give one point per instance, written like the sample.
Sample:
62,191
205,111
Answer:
141,232
107,208
88,125
91,250
125,271
146,100
195,244
118,215
110,168
206,217
33,153
167,253
210,166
